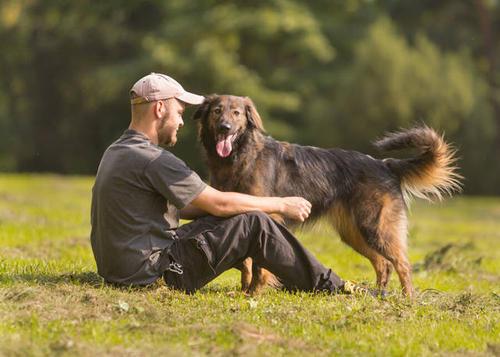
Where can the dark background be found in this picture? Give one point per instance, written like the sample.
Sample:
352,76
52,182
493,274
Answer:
324,73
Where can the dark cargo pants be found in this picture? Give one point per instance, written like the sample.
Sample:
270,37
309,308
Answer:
208,246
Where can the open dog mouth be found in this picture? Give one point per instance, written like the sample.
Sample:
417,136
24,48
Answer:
224,145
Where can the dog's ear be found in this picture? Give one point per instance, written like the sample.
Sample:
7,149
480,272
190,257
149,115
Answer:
204,107
253,117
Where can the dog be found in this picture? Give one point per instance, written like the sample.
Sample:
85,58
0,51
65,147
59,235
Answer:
365,199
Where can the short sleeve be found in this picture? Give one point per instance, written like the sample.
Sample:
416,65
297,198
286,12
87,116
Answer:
174,179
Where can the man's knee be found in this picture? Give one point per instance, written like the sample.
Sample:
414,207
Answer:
260,220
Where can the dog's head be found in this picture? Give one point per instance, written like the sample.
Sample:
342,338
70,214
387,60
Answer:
225,121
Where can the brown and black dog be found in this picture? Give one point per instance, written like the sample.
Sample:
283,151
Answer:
365,199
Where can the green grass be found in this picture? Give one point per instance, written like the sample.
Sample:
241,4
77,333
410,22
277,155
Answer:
53,303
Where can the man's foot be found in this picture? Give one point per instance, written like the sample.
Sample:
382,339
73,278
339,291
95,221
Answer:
351,287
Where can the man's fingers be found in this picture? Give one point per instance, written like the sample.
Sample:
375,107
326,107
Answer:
307,208
299,208
304,209
305,213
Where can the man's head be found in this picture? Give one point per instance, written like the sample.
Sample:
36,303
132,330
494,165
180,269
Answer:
158,102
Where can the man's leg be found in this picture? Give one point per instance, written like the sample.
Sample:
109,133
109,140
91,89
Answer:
211,245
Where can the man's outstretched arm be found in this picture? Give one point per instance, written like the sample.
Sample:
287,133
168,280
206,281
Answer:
225,204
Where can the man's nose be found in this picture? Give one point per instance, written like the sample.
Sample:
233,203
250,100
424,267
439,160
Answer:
224,126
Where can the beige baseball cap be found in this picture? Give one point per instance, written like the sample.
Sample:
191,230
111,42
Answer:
157,86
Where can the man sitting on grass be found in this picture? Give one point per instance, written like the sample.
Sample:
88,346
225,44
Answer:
141,191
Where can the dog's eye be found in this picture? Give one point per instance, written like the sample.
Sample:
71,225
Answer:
236,113
217,111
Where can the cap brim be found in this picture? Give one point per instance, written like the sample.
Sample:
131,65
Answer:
191,98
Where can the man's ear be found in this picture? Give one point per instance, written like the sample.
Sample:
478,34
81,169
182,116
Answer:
159,108
204,107
253,117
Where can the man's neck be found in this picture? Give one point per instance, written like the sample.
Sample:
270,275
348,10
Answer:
143,129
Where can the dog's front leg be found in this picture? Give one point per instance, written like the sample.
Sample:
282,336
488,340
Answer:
262,278
246,274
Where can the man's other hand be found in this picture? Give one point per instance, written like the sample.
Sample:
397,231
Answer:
296,208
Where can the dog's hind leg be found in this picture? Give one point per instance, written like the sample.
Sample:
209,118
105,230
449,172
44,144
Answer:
403,268
381,265
387,234
393,231
350,234
383,269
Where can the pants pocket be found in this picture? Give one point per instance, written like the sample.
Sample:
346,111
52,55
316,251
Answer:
196,259
201,244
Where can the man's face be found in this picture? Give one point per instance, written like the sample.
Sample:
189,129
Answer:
170,122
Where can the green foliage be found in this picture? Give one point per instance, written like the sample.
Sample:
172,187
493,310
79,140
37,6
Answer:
52,302
321,73
391,84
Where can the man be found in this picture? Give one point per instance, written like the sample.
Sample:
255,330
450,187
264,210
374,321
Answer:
141,191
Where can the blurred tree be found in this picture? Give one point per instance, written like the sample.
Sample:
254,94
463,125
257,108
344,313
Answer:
79,57
468,27
52,51
264,50
390,84
328,73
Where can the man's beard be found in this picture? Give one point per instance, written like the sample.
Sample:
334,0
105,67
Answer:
164,141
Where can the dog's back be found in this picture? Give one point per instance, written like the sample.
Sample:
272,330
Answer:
322,176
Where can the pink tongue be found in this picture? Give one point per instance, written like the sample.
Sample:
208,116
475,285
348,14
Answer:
224,147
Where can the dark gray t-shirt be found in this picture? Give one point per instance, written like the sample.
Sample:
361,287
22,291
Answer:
138,190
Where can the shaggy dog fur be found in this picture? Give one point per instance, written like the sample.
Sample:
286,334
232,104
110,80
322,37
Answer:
365,199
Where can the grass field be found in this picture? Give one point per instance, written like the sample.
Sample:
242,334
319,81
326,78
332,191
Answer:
52,302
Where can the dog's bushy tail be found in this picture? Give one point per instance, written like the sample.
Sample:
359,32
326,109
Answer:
432,173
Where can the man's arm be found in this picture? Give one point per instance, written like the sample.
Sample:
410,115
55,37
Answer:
192,212
225,204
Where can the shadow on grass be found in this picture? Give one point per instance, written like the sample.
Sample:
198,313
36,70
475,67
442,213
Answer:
88,279
91,279
85,278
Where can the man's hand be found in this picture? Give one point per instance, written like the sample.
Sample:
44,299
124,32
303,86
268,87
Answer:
296,208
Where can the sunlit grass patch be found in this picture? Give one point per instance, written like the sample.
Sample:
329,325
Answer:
53,302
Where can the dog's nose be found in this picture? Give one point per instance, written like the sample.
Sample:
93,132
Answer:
224,126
